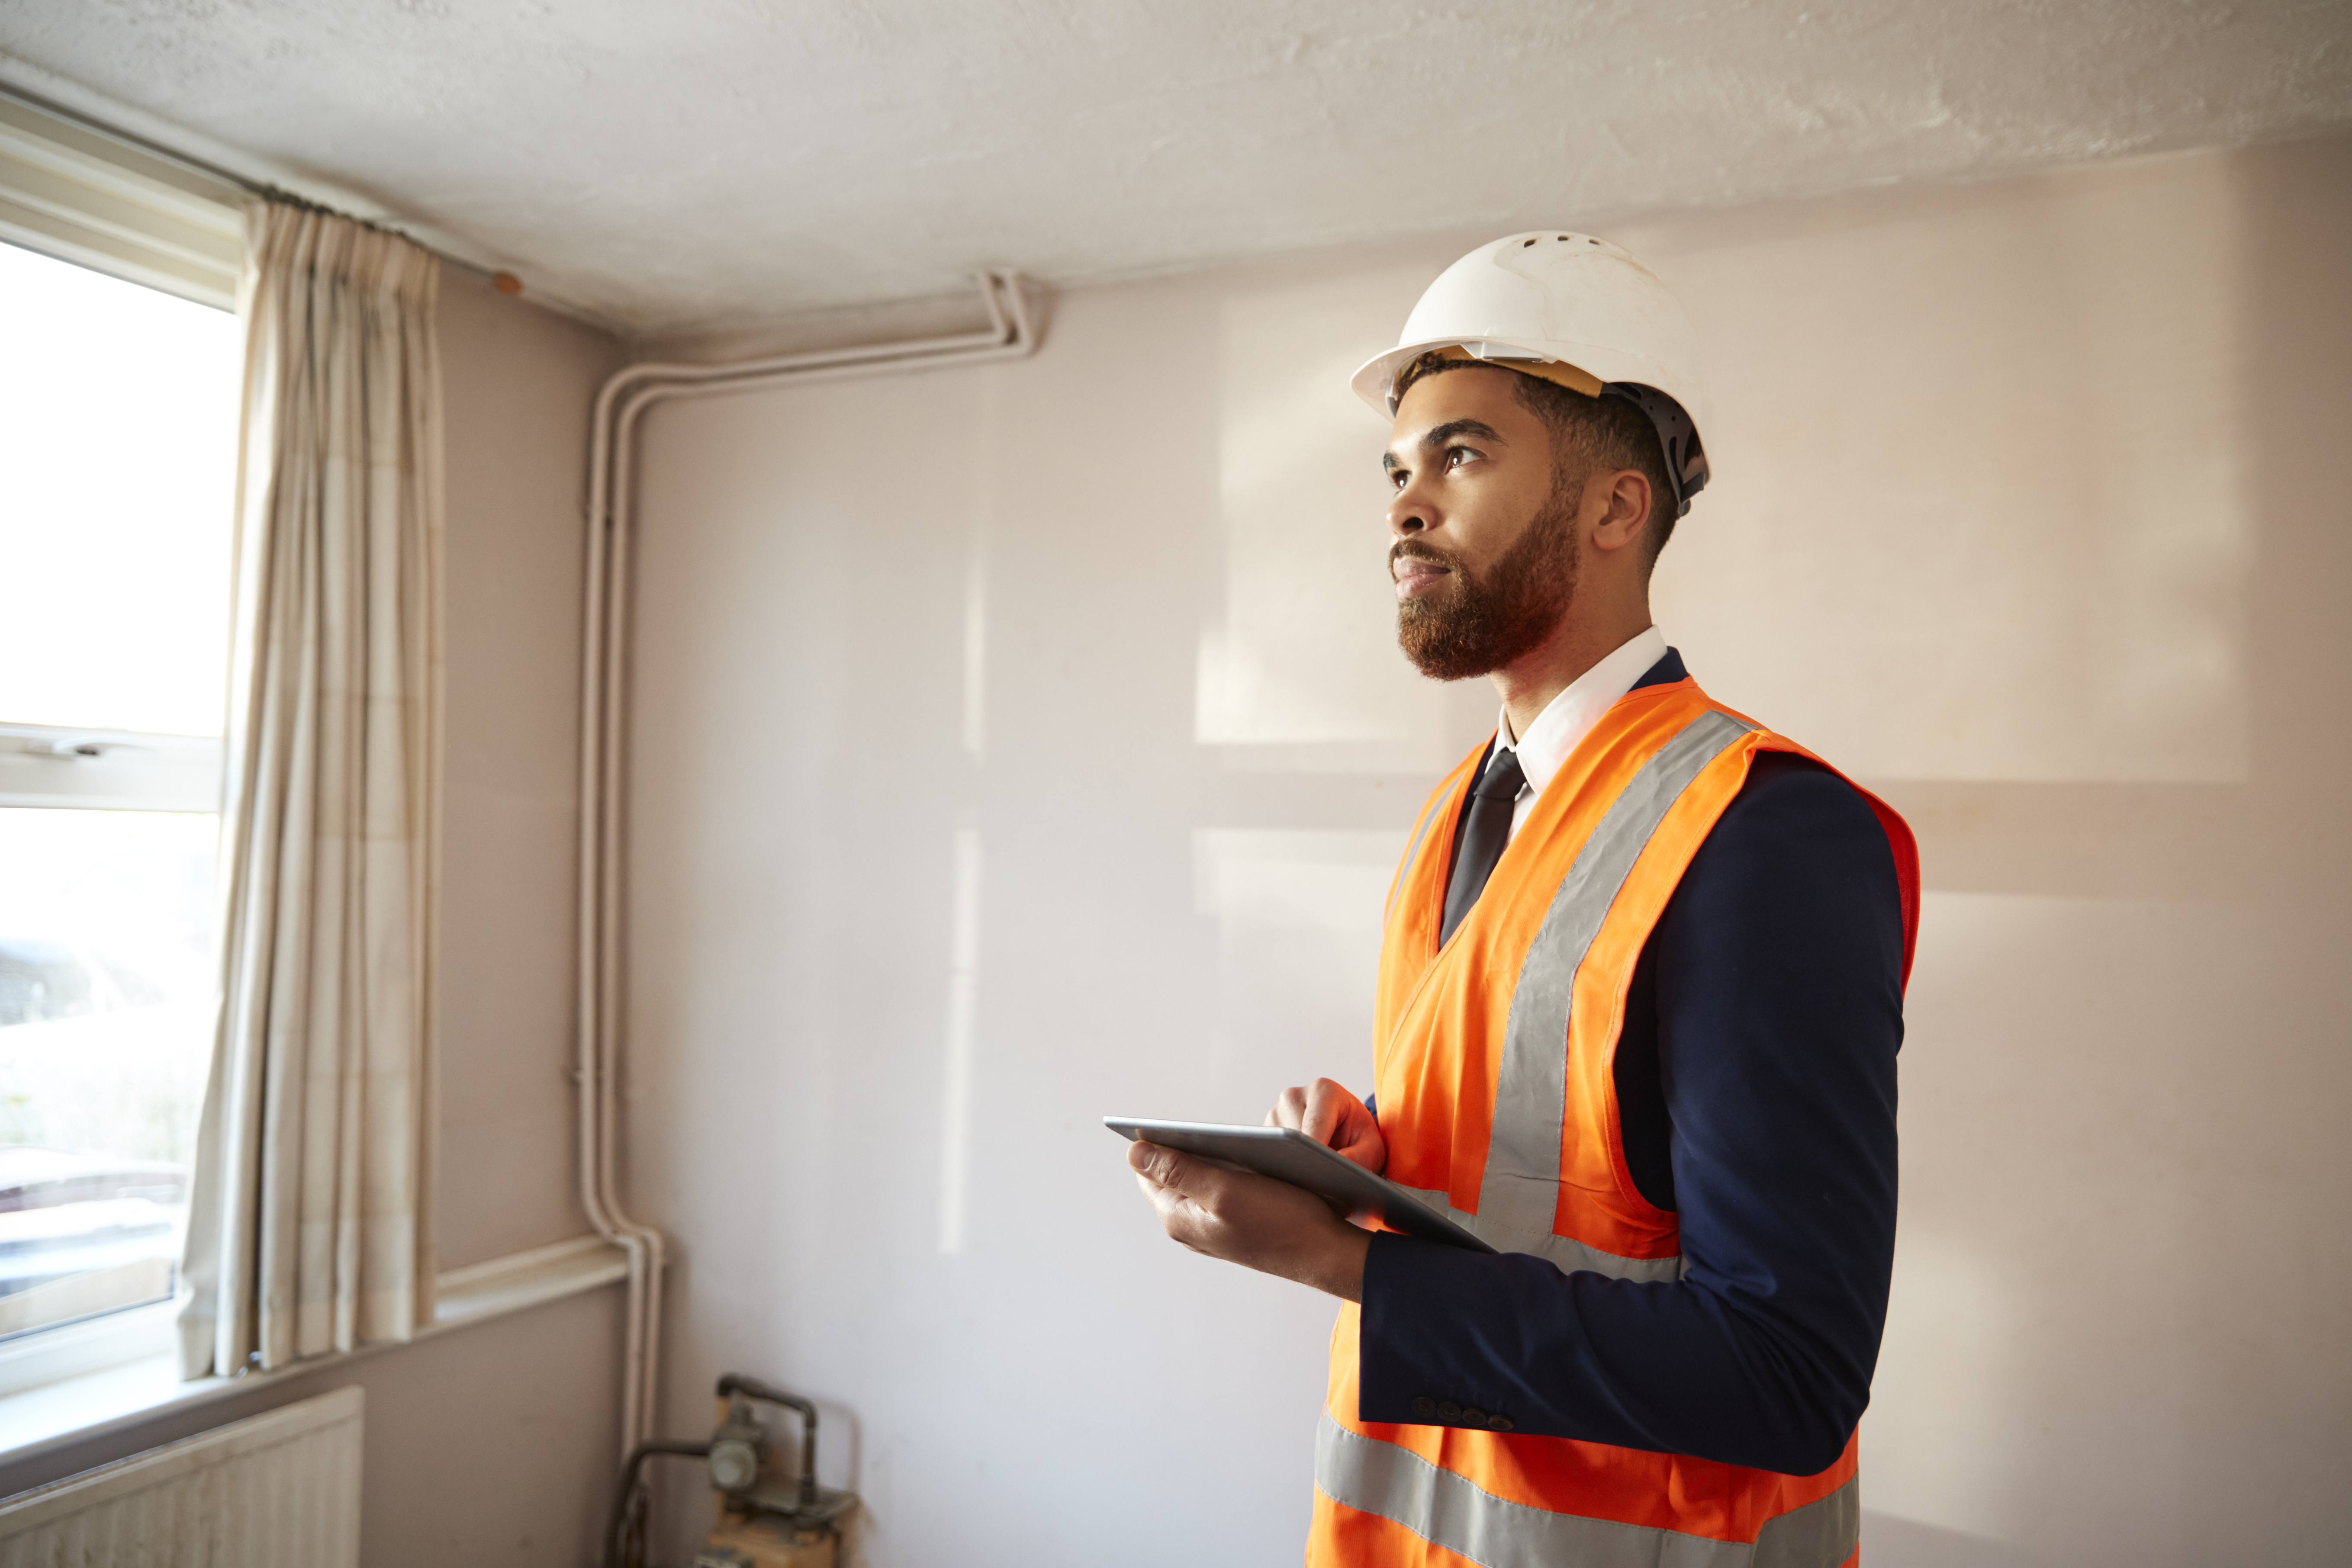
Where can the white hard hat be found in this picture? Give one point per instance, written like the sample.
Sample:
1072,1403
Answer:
1572,309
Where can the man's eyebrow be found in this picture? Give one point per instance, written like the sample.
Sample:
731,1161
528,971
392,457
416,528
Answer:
1438,435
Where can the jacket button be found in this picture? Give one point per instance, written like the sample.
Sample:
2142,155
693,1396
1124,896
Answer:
1449,1410
1499,1422
1474,1417
1424,1406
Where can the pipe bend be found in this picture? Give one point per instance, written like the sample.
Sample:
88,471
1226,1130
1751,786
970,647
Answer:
752,1387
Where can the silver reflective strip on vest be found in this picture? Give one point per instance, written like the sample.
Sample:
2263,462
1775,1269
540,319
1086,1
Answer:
1520,1190
1823,1531
1449,1510
1563,1252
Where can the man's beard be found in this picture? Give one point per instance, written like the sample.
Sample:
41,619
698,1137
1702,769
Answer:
1474,625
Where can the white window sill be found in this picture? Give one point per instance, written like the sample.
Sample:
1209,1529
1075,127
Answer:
81,1402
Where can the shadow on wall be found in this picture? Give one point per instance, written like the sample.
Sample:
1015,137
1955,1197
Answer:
1891,1542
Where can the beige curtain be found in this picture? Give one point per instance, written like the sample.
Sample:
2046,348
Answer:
308,1231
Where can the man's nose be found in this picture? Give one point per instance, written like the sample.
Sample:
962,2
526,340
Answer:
1408,516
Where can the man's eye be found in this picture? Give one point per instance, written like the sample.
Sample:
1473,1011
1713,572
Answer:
1397,476
1457,455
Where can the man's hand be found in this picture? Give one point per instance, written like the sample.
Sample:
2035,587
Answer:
1329,1115
1252,1220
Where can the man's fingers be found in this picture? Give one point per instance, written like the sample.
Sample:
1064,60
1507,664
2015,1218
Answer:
1164,1166
1185,1191
1327,1107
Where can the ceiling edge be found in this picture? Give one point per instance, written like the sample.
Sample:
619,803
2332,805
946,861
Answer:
129,123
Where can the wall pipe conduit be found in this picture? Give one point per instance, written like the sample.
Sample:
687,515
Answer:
603,693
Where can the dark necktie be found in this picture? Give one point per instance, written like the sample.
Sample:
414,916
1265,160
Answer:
1488,829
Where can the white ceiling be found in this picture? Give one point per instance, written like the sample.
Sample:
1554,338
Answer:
693,164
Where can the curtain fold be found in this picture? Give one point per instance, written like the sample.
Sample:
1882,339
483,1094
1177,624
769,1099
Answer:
308,1231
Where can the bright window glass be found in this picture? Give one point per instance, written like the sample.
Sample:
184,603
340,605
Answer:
118,420
118,461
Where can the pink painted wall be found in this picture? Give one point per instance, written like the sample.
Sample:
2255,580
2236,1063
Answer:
519,383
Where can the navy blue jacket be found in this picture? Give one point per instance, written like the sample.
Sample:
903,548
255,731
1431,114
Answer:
1755,1087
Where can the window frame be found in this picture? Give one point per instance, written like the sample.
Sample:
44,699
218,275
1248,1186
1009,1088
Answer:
54,767
78,195
74,192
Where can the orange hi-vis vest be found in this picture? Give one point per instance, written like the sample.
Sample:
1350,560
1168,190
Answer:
1498,1102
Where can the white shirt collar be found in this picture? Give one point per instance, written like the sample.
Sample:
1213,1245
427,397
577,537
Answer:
1569,716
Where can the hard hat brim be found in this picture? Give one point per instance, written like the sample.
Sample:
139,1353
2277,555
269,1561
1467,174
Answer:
1373,379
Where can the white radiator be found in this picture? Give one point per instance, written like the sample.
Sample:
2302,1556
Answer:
281,1491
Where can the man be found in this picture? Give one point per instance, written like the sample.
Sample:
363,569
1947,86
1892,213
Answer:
1639,1002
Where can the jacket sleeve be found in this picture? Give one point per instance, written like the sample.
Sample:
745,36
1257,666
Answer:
1777,967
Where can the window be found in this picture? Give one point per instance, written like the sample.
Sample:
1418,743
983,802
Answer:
117,446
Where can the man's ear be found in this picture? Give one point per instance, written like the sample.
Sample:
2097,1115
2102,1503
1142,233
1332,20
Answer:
1626,508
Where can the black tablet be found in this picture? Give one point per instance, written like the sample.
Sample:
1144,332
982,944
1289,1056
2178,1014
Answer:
1288,1154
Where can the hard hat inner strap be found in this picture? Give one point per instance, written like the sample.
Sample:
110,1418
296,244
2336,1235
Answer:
1558,371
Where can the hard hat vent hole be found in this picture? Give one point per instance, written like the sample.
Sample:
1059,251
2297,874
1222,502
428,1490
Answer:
1524,244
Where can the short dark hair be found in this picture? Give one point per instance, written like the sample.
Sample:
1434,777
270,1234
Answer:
1587,434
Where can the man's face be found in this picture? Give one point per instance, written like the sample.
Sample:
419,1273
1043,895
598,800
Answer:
1484,555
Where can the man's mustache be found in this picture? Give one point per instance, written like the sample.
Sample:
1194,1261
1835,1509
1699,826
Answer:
1413,549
